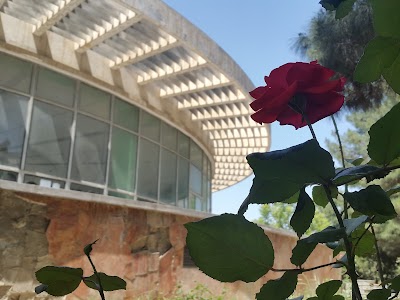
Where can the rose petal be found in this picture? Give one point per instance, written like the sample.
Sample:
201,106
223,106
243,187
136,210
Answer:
277,78
258,92
332,85
290,117
309,75
323,105
265,115
274,98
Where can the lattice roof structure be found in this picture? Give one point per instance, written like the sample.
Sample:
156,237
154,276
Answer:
166,53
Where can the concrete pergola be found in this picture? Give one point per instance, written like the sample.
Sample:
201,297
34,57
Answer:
147,51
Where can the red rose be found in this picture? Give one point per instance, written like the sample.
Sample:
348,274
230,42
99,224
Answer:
305,85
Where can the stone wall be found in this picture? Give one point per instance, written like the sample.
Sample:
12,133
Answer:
142,246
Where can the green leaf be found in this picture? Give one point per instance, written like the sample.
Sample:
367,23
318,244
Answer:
280,174
355,162
279,289
353,173
344,8
352,224
303,215
327,289
319,196
302,251
109,283
393,191
60,280
365,246
392,74
371,201
395,283
341,262
386,17
338,249
230,248
384,146
381,294
329,234
292,199
379,55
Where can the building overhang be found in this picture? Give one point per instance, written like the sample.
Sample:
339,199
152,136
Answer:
153,56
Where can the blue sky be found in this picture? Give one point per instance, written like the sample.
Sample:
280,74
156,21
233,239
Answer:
258,35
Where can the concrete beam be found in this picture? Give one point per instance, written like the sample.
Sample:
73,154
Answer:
65,7
109,33
146,54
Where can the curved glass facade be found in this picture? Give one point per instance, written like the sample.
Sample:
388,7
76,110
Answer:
58,132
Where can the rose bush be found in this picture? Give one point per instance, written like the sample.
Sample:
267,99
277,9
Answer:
297,89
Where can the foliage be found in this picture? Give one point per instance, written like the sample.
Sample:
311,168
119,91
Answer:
339,45
278,215
61,281
355,142
279,175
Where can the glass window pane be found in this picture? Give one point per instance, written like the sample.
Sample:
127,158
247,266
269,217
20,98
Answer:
90,150
123,160
204,192
183,182
192,201
56,87
85,188
168,177
49,140
94,101
120,195
148,169
169,136
7,175
196,155
126,115
15,73
150,126
195,179
209,198
12,127
199,204
45,182
183,144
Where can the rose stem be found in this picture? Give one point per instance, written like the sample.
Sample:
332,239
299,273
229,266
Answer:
351,268
346,212
309,126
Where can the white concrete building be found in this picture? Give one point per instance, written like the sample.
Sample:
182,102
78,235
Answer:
124,98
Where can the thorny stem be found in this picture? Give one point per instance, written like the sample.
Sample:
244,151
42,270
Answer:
346,212
301,270
101,290
378,256
351,268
